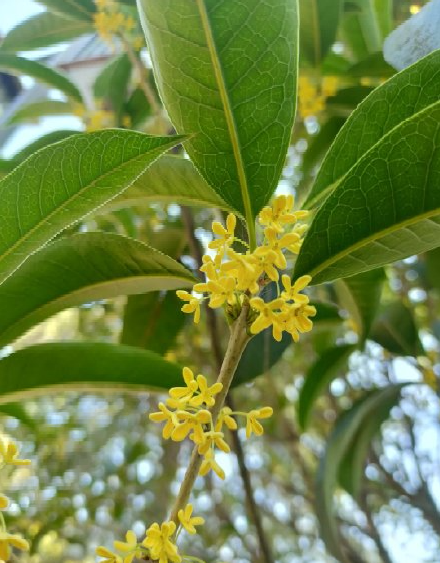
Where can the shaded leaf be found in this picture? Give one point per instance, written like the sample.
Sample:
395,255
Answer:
63,182
77,9
43,30
17,411
86,367
227,74
328,366
432,261
79,269
20,65
319,23
36,110
113,81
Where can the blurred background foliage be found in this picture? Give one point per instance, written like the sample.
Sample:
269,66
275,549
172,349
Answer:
100,467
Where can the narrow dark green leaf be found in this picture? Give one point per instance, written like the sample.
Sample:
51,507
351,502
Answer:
20,65
137,108
86,367
77,9
113,81
63,182
169,179
403,96
360,296
43,30
387,207
319,23
36,110
152,321
337,446
17,411
328,366
432,261
396,331
227,74
79,269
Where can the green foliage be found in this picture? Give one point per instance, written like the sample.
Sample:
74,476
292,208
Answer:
113,81
215,93
76,9
33,112
62,183
80,269
319,23
83,366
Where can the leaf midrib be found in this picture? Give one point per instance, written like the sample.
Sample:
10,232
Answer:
73,198
230,120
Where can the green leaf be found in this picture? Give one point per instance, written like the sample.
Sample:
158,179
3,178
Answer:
360,296
43,30
387,207
32,112
373,66
319,143
137,107
113,81
17,411
404,96
77,9
319,23
86,367
337,446
319,376
63,182
169,179
42,142
396,331
79,269
227,74
432,261
153,321
20,65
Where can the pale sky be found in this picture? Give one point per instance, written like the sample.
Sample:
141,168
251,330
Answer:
13,12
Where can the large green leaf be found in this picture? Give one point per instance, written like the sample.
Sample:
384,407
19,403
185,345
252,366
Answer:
113,81
319,23
396,331
387,207
402,97
169,179
77,9
43,30
36,110
84,367
63,182
226,71
153,321
432,262
79,269
20,65
321,373
360,296
337,446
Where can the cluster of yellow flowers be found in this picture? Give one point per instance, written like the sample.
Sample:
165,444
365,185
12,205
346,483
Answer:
9,456
109,22
99,118
312,97
233,277
186,413
159,543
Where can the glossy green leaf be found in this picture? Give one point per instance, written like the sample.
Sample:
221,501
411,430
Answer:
360,296
86,367
402,97
152,321
20,65
79,269
226,71
319,24
36,110
41,143
328,366
77,9
169,179
63,182
387,207
396,331
337,446
113,81
43,30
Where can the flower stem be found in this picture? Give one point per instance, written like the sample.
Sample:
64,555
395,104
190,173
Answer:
238,340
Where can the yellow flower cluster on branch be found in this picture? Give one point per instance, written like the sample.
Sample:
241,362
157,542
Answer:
110,22
313,95
158,545
232,277
9,456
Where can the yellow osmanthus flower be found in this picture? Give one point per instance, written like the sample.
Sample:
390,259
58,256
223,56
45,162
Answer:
107,555
130,547
226,419
9,453
252,424
4,502
158,541
313,95
209,464
188,521
193,305
8,540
